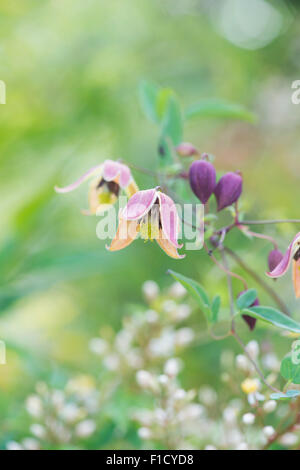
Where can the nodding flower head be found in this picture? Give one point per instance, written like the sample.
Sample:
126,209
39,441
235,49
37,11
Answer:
185,149
274,258
228,190
202,176
251,321
153,215
108,179
292,255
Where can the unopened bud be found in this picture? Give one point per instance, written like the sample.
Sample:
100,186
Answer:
228,190
251,321
202,176
185,149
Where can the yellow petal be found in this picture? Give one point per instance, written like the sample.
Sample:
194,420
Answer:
296,277
167,246
131,189
126,234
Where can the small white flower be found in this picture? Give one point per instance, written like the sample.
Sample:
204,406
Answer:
184,336
144,433
29,443
269,406
146,380
207,395
172,367
151,316
248,418
70,413
98,346
177,290
179,394
183,311
242,363
253,349
229,415
85,428
34,406
13,445
150,290
38,431
242,446
289,439
269,431
112,362
210,447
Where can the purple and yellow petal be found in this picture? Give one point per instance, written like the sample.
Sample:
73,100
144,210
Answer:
168,247
284,264
296,277
126,234
91,172
169,219
139,204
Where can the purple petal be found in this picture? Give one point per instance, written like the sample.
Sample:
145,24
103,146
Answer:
228,190
202,176
91,172
169,218
283,266
139,204
274,258
111,170
125,176
251,321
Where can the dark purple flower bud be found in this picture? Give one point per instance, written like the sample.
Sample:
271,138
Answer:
251,322
274,258
202,179
228,189
185,149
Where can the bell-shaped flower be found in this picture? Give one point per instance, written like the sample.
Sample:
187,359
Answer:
202,177
292,255
108,179
153,215
228,190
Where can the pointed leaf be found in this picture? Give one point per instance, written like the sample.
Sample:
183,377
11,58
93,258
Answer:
274,317
290,370
219,109
246,299
193,287
283,396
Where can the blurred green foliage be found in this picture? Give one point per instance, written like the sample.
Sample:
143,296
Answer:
73,71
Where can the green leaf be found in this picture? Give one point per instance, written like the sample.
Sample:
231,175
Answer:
215,307
148,97
193,287
290,370
283,396
246,299
219,109
273,316
172,125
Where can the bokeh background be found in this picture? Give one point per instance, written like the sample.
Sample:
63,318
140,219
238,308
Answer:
72,70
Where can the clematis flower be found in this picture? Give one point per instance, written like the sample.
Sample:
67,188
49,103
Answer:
292,255
153,215
108,179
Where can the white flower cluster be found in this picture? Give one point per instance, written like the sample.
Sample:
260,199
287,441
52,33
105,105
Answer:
176,417
148,337
60,417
